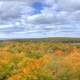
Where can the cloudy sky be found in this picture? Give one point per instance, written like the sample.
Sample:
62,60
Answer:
39,18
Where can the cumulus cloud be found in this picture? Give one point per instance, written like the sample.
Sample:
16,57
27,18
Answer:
12,10
70,5
52,16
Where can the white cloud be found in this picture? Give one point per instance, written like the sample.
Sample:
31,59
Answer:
12,10
54,14
5,26
69,4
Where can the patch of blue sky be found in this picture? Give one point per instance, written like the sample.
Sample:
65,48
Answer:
38,7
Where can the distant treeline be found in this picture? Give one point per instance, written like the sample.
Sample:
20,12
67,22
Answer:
54,40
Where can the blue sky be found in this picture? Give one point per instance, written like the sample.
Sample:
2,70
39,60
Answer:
39,18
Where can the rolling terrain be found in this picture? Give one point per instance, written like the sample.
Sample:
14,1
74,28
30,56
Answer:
40,59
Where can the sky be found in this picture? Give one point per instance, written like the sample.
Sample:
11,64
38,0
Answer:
39,18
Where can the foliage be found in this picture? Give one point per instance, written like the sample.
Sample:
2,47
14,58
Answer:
29,60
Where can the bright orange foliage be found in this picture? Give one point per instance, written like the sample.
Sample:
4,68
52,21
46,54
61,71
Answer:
36,61
59,53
